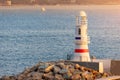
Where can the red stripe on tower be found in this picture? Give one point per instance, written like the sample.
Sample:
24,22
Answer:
81,50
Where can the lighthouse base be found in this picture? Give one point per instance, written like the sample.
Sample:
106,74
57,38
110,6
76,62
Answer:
84,57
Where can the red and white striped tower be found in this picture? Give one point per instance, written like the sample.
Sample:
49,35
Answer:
81,39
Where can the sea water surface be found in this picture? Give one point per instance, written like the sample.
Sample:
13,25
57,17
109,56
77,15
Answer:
28,35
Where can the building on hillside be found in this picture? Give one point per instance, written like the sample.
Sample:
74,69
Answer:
8,2
54,2
73,1
68,1
34,2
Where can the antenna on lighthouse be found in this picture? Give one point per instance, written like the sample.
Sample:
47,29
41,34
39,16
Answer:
81,39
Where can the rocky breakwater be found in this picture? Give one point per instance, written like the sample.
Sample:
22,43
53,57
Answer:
60,70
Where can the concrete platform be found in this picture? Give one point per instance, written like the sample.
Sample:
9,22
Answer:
102,65
110,66
106,64
115,67
93,65
110,78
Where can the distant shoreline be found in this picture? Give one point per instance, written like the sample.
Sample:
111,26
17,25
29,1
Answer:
70,7
64,4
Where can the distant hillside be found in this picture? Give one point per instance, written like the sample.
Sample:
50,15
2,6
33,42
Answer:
98,1
54,2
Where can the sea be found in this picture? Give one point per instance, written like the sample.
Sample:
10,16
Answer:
29,35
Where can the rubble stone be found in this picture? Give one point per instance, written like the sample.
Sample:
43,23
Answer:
60,70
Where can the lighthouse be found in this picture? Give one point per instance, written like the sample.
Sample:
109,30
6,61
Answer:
81,39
